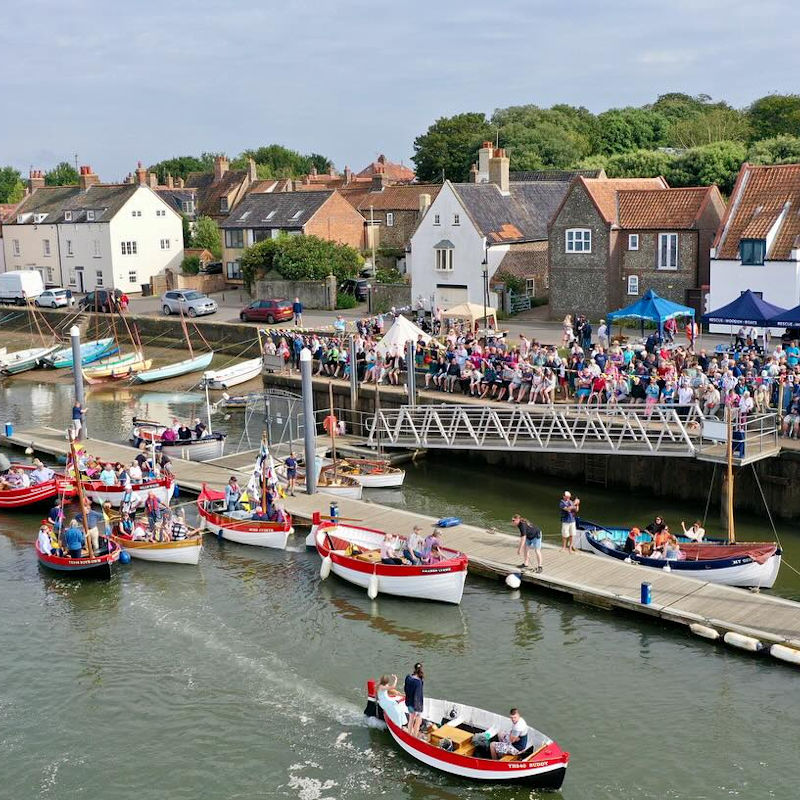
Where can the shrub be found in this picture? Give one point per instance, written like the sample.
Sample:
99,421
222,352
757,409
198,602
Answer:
345,300
190,265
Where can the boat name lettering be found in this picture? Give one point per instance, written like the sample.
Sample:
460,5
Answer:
435,570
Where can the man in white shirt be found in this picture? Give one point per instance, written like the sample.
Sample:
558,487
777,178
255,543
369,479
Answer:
413,549
515,741
135,472
44,541
41,474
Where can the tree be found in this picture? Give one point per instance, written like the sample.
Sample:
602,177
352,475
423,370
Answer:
623,129
719,123
712,163
63,174
206,235
277,161
638,164
257,260
450,146
676,106
187,231
181,166
777,150
774,115
12,188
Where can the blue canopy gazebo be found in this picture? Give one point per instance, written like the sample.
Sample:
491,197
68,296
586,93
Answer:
747,309
788,319
653,307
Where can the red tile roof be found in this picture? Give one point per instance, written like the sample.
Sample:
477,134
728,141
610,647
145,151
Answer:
763,197
398,198
604,191
662,208
394,172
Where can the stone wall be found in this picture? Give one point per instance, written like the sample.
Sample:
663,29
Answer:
312,294
671,284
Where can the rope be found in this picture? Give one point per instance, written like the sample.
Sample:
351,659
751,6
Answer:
787,564
710,490
764,499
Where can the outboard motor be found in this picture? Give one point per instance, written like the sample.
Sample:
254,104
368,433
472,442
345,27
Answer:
372,709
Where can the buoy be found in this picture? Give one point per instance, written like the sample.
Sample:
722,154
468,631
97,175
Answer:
748,643
219,534
703,630
29,450
785,653
124,557
513,581
325,567
666,568
372,589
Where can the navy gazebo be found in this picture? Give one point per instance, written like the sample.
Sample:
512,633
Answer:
787,319
747,309
653,307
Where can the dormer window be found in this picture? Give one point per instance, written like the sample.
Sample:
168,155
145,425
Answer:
752,251
223,205
90,216
296,214
37,218
269,216
67,216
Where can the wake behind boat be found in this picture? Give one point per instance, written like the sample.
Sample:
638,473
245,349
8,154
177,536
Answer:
457,741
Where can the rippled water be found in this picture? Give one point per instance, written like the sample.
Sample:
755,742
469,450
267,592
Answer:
243,677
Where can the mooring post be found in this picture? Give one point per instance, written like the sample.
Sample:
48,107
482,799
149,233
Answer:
77,373
411,376
310,423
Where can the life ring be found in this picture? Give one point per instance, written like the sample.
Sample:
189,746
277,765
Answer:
448,522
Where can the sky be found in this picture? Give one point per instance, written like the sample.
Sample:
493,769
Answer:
118,82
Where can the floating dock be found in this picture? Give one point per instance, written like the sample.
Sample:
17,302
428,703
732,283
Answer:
583,577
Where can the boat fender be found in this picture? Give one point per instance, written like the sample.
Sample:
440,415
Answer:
703,630
372,589
784,653
666,568
176,491
124,557
748,643
513,581
219,534
448,522
325,567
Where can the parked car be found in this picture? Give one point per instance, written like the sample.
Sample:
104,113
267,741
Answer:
55,298
189,301
355,286
268,311
212,268
101,300
20,285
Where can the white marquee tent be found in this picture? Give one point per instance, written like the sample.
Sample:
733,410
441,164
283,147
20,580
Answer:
402,331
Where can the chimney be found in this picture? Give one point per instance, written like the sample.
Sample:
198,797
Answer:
313,172
179,183
378,180
87,178
153,180
348,175
220,167
35,180
170,182
252,171
141,174
498,170
381,159
424,203
473,173
331,171
484,154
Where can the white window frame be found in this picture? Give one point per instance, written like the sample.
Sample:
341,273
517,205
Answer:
96,246
456,219
90,216
69,248
132,276
98,281
437,219
46,248
17,248
444,259
578,240
389,219
165,244
670,267
50,275
67,216
530,287
633,241
128,248
633,285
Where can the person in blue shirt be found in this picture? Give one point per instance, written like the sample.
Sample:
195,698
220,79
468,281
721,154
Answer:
415,700
291,472
74,540
56,516
233,493
90,520
297,310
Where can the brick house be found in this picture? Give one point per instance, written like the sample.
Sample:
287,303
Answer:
220,191
260,215
611,239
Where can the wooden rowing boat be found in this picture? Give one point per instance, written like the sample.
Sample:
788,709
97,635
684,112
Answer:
24,360
99,492
90,352
97,565
327,482
378,474
175,551
232,376
37,493
174,370
212,445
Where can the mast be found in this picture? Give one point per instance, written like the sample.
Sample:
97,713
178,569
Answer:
731,526
377,419
81,495
186,333
208,409
332,427
263,472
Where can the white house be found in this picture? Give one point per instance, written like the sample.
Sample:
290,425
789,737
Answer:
469,228
94,235
757,246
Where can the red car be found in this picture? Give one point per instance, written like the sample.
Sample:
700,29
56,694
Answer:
268,311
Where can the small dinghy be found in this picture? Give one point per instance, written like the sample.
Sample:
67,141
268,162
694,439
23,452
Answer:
354,555
327,482
175,551
457,738
378,474
37,492
90,352
232,376
116,369
24,360
99,492
174,370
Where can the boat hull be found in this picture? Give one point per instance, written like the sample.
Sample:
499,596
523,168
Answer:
174,370
185,551
442,581
98,492
32,495
97,567
211,446
90,352
347,488
233,376
384,480
251,532
740,569
24,360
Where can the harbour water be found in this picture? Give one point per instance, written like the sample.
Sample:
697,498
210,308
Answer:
244,677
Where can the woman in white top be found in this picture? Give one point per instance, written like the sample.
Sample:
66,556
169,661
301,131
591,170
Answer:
391,700
569,333
695,532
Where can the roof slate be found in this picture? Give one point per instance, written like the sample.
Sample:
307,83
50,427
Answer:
104,199
554,175
662,208
394,172
522,260
762,197
292,210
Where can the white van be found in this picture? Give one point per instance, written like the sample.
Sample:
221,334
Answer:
20,284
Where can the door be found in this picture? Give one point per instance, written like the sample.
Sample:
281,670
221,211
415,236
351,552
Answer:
448,296
79,279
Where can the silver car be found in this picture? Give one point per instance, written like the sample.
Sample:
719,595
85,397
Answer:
55,298
188,301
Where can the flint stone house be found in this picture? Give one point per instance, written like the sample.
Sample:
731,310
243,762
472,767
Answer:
612,239
757,246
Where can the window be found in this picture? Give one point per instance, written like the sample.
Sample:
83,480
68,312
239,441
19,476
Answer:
90,216
269,216
223,205
67,216
187,206
633,241
530,287
668,251
136,213
233,269
37,218
579,240
389,219
96,248
45,247
50,275
633,284
132,276
444,259
456,219
752,251
99,277
296,214
436,219
165,244
15,244
128,248
69,248
161,212
234,239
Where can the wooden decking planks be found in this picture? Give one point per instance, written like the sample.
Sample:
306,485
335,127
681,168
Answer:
586,577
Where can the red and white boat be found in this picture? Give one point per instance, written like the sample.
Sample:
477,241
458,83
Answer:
442,580
542,765
99,492
95,566
236,526
59,485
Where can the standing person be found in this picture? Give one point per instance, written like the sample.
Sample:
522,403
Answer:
77,419
414,691
530,539
152,507
297,310
90,520
602,334
569,509
74,540
233,494
291,472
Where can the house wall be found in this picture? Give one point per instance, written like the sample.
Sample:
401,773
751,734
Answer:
86,257
707,225
579,281
671,284
31,240
779,282
395,236
337,221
